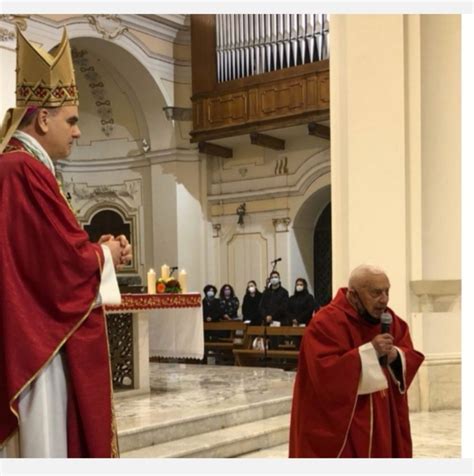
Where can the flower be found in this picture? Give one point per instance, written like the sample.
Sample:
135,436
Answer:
169,285
160,287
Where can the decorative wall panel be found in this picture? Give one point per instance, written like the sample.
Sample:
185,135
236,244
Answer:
120,331
247,258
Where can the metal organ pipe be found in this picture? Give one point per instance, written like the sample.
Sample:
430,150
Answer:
252,44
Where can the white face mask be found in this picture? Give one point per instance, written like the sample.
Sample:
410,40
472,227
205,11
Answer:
210,294
299,288
275,280
251,289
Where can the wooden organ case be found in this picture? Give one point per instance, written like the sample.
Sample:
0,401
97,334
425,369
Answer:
257,72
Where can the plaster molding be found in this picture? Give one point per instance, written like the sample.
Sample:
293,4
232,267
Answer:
102,165
97,88
451,358
108,26
127,163
16,20
281,224
264,188
165,27
127,195
436,287
274,184
6,35
253,218
129,22
173,155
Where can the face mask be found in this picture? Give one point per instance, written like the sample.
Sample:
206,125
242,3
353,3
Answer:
210,294
299,288
227,293
275,281
364,313
251,289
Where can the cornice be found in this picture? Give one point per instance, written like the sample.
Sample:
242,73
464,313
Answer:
274,186
127,163
160,26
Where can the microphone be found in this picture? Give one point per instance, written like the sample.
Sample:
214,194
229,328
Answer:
385,323
172,270
275,260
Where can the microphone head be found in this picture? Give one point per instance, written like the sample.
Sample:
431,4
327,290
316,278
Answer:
386,318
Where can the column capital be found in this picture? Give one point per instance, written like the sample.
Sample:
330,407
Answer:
281,224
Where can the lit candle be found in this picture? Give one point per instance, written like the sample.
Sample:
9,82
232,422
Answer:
151,280
165,272
183,281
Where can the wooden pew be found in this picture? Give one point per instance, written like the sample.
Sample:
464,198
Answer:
224,346
283,356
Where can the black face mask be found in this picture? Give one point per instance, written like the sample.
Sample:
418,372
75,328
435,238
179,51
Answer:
364,313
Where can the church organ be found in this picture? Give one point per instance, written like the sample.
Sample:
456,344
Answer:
252,73
248,45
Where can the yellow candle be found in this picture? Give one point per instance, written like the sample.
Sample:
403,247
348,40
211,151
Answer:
165,272
151,281
183,280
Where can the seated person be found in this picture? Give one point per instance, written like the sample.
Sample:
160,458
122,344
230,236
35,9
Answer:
251,304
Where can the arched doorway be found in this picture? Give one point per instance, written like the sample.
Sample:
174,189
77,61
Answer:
304,253
107,222
323,258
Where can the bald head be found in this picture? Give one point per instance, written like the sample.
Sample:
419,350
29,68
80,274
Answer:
363,275
368,290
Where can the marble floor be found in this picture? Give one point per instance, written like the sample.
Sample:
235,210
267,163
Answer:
181,391
186,391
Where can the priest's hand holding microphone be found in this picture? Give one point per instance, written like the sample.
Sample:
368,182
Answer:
383,342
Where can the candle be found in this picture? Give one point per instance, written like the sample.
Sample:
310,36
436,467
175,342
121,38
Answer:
165,272
183,281
151,281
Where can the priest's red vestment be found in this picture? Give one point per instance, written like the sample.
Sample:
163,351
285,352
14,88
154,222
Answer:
329,417
49,280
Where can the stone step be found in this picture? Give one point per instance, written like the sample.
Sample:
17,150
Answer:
280,451
228,442
208,420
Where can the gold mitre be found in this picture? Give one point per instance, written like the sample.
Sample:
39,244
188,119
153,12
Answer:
42,79
45,79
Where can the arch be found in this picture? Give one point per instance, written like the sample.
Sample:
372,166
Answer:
304,223
106,218
323,258
144,89
145,73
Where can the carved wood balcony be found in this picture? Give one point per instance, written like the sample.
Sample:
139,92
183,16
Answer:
290,96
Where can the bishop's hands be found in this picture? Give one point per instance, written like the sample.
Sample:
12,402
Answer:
120,249
383,345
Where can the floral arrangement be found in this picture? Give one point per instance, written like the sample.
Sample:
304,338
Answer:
169,285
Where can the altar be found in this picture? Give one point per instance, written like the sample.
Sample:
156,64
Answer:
152,325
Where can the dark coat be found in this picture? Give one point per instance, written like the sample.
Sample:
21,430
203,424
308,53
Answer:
275,303
301,307
251,308
211,308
